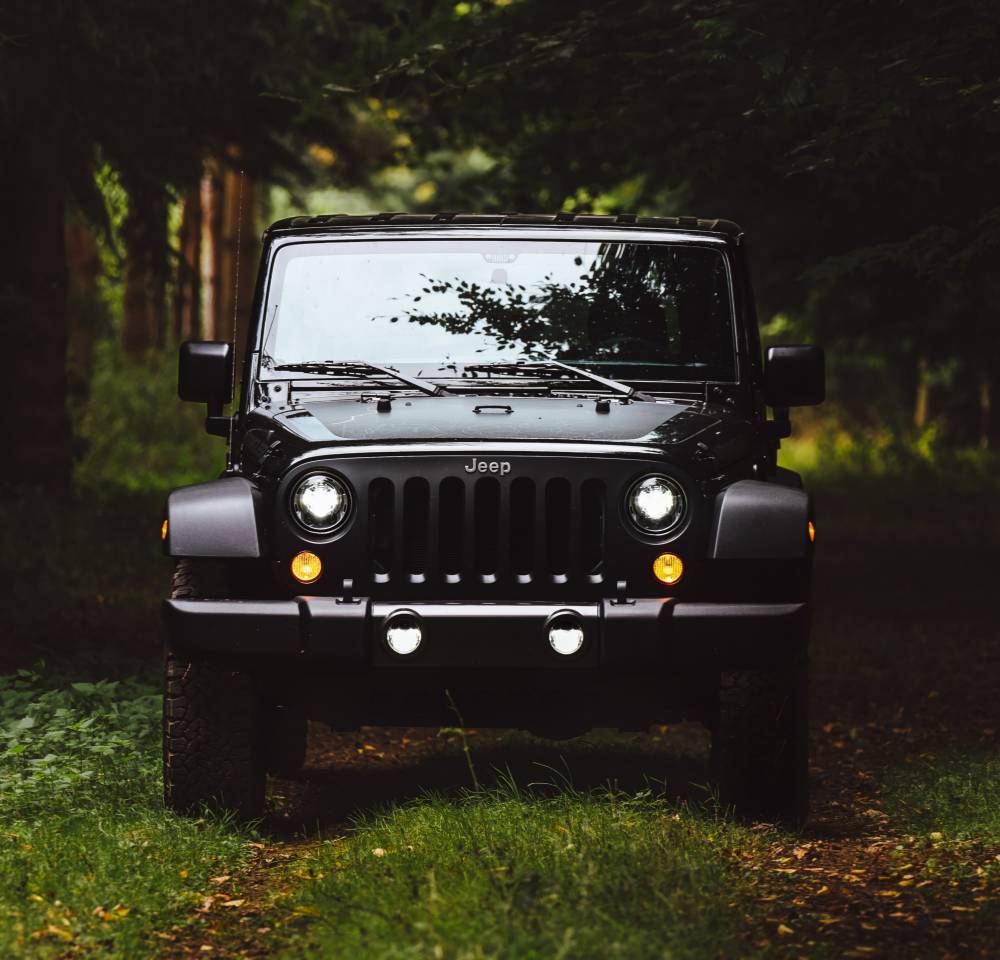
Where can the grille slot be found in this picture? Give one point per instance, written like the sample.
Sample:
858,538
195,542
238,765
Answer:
522,529
451,518
487,531
380,518
557,527
486,528
416,525
592,522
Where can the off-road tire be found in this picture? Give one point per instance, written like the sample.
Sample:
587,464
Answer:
211,719
286,732
760,745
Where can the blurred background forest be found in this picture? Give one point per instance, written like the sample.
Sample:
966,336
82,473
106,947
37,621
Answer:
145,147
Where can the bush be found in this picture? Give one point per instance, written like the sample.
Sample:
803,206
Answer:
90,861
135,434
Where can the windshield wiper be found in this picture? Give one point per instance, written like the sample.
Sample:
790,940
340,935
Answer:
359,368
616,385
518,368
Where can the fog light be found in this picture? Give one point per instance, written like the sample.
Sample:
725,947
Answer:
668,568
565,635
403,634
306,567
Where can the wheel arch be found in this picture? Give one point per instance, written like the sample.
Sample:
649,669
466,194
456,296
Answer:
218,519
755,520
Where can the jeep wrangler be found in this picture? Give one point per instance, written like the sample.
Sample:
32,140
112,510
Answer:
513,469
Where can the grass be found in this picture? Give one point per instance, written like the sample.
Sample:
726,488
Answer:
89,859
506,873
953,795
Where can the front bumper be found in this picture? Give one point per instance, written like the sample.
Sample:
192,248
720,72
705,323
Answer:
625,633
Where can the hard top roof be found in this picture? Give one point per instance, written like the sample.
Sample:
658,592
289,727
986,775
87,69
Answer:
319,223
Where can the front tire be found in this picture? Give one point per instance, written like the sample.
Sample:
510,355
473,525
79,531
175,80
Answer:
211,720
760,746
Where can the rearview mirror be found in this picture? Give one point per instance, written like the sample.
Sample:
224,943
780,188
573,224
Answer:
205,375
794,376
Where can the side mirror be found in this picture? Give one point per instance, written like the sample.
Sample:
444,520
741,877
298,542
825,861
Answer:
794,376
205,375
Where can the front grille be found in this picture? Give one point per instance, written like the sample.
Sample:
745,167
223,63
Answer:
484,530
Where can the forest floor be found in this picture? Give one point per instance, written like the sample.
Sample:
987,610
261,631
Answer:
399,843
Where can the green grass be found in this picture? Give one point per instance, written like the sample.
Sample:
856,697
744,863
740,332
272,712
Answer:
506,873
954,795
89,859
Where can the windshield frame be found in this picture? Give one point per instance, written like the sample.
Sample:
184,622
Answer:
264,307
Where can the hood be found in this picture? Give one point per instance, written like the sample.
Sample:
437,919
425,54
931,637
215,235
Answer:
718,432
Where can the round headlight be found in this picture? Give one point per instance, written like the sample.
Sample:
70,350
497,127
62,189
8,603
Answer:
321,503
655,504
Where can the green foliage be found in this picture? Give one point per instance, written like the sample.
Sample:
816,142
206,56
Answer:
61,750
137,436
89,859
898,490
508,873
857,143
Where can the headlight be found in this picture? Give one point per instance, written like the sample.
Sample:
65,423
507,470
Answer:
321,503
655,504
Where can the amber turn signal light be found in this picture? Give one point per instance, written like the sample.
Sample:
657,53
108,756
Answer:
306,567
668,568
811,528
164,527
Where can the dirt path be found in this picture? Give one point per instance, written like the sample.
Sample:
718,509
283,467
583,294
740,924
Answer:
858,886
852,885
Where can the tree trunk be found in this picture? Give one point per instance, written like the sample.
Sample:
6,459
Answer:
238,255
921,402
211,249
989,404
37,433
187,292
145,230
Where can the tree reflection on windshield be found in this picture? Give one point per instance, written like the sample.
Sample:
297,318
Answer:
633,303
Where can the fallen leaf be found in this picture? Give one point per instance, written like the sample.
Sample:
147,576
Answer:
378,852
233,903
784,931
221,879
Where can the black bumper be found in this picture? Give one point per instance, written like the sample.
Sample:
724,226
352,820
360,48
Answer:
629,633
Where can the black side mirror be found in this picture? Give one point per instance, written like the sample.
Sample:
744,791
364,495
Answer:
794,376
205,375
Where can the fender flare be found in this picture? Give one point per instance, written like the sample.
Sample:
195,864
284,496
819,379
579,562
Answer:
220,518
755,520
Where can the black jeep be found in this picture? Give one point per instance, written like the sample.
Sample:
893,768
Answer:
516,469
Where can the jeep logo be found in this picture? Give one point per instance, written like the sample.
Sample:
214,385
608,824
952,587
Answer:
488,466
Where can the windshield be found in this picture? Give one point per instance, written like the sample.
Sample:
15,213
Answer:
637,310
